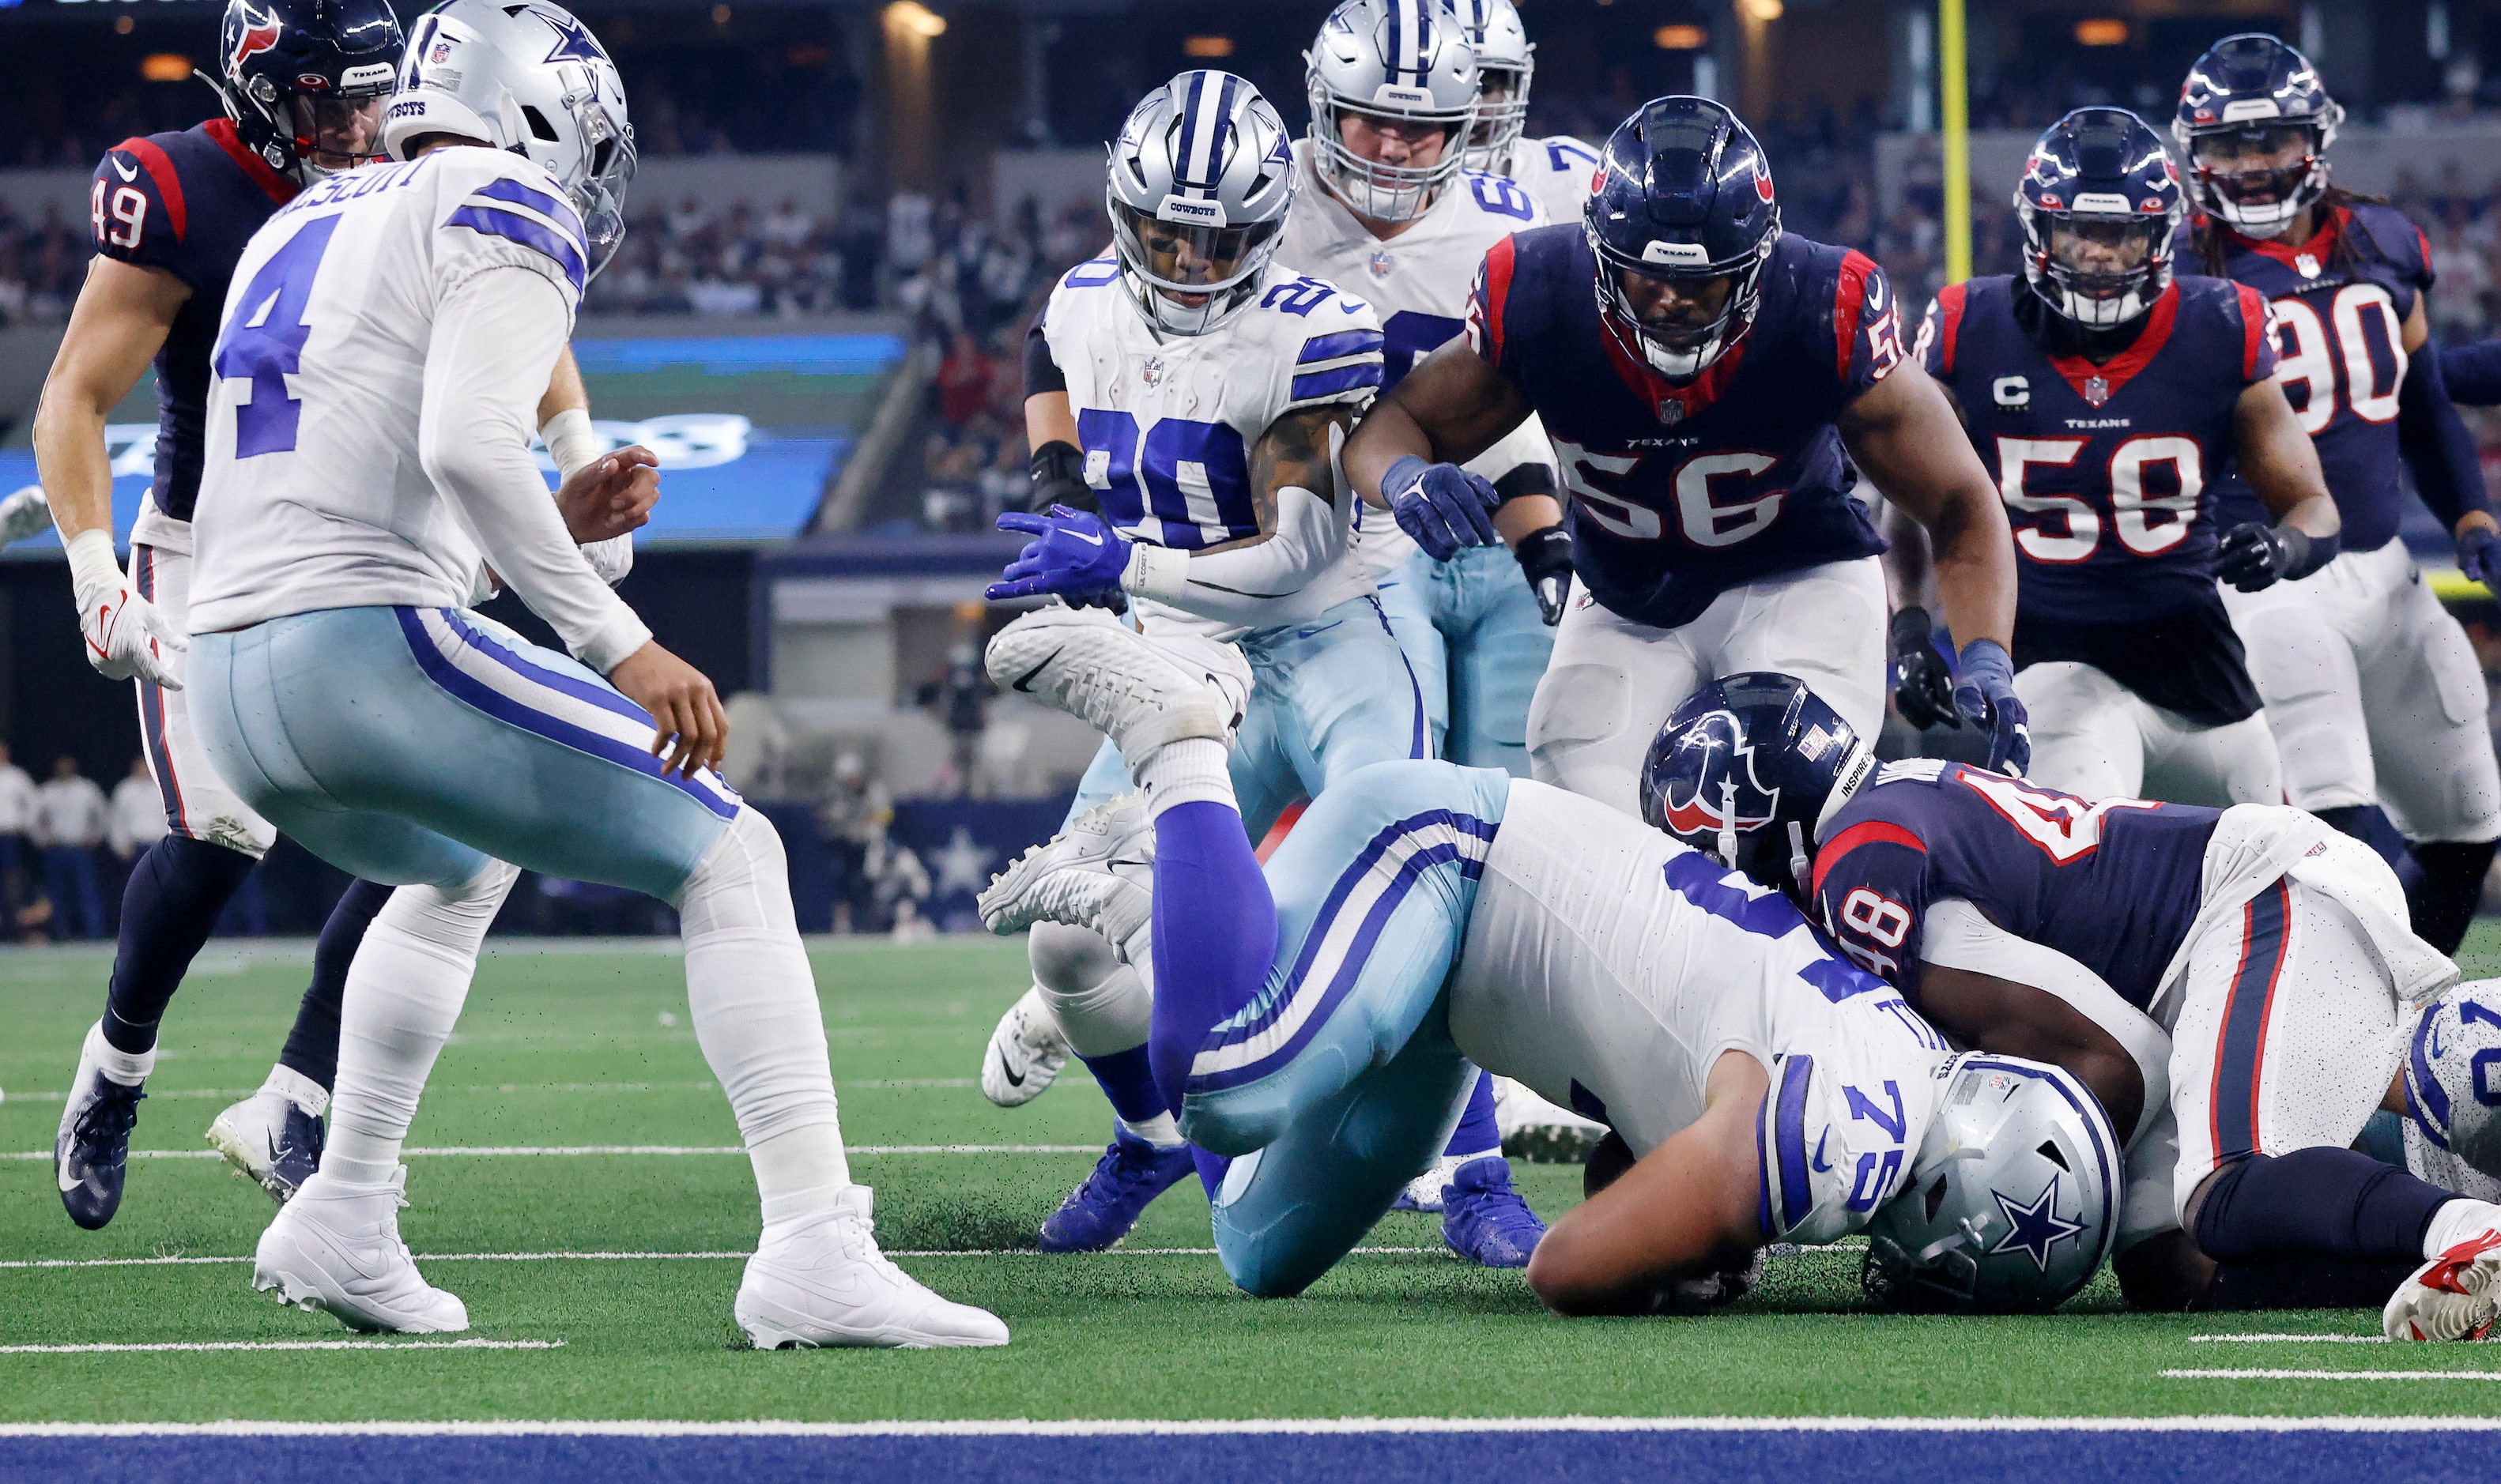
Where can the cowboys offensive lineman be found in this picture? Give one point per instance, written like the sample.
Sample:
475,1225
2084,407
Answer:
1558,170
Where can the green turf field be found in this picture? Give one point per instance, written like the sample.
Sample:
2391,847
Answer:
563,1047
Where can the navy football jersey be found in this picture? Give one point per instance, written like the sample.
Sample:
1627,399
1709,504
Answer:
184,202
2114,885
2340,335
1679,493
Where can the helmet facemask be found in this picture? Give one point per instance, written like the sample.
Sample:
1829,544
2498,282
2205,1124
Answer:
2099,269
2285,165
1502,116
334,134
1680,345
1188,279
1372,188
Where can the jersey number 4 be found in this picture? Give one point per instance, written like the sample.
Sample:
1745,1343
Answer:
2148,524
2066,828
263,342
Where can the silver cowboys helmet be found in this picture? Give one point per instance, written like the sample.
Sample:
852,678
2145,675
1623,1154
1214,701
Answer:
2012,1200
530,78
1394,59
1505,61
2454,1073
1198,185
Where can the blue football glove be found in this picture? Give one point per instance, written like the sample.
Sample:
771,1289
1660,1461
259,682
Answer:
1985,697
1442,506
1073,555
2479,556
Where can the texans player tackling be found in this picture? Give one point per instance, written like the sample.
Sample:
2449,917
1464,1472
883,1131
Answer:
2106,397
2371,689
2238,986
1700,374
1323,1023
400,329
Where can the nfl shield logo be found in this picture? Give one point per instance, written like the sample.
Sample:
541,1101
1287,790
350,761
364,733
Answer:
2308,263
2096,391
440,53
1670,414
1381,264
1152,373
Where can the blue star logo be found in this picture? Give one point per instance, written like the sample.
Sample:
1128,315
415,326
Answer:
2037,1228
573,39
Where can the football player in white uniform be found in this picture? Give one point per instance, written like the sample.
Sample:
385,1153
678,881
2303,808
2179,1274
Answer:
1201,388
381,365
1323,1025
1558,169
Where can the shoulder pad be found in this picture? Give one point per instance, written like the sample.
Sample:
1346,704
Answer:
1093,273
517,203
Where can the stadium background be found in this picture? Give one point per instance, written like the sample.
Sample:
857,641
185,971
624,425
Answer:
846,217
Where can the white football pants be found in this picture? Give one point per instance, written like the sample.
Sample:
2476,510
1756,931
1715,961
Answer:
2095,738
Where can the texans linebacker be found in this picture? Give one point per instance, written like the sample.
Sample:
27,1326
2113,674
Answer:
1322,1024
2371,689
2107,396
1558,169
2236,984
1700,374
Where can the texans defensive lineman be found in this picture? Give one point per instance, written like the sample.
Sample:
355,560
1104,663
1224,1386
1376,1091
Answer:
2238,985
2108,397
1700,374
1321,1023
2371,689
1558,169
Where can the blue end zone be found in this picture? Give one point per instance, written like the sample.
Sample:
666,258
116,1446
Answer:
1910,1455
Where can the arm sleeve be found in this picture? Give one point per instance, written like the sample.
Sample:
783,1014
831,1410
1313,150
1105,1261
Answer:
1041,374
2473,373
1239,586
495,341
2438,450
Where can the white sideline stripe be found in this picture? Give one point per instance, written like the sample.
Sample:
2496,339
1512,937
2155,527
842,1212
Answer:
2291,1340
849,1084
651,1256
1307,1426
2333,1375
291,1344
553,1151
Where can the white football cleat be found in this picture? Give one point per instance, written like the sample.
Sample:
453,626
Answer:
823,1283
336,1246
273,1137
1085,877
1425,1192
2456,1295
1540,1132
1025,1053
1142,695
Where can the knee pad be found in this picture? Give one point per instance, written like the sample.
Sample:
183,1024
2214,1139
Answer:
2454,1073
451,920
742,884
1103,1003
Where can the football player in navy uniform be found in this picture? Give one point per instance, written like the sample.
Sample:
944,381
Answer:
2236,985
304,82
1700,374
2108,396
2371,689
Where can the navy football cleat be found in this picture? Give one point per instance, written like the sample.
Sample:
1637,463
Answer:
93,1147
1484,1219
1131,1174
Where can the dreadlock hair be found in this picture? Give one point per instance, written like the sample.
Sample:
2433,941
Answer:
2206,233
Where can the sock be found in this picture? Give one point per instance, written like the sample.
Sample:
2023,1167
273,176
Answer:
1477,1135
2443,893
167,910
799,1172
1162,1130
404,993
753,1000
1210,1170
297,1088
313,1043
2304,1283
1191,771
1128,1079
1214,932
2454,1222
127,1067
2321,1202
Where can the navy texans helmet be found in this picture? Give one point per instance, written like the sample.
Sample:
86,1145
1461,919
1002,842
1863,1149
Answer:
1684,194
2251,95
2100,204
1748,770
304,80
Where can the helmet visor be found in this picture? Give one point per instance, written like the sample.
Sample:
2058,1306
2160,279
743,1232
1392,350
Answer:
1186,262
335,133
602,196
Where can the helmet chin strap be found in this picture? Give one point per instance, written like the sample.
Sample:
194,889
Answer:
1798,867
1727,824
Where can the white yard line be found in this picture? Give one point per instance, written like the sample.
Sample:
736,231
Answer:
849,1084
2332,1375
1153,1427
2290,1339
561,1151
648,1256
289,1344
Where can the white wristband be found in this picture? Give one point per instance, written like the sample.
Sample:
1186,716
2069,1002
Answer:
1155,572
92,564
570,441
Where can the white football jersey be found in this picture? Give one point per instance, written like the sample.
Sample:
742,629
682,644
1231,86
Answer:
1607,967
1419,283
314,495
1558,171
1168,423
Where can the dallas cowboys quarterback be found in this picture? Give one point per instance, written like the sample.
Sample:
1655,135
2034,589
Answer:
368,438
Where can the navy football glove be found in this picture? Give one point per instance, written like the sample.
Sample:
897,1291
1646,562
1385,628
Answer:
1924,682
2255,555
1442,506
1073,555
1546,560
2479,556
1985,699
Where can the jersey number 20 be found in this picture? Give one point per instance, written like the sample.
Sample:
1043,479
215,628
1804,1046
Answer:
264,341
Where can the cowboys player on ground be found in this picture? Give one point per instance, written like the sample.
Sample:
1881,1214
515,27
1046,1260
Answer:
1323,1025
1558,169
2371,689
2108,397
1700,374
